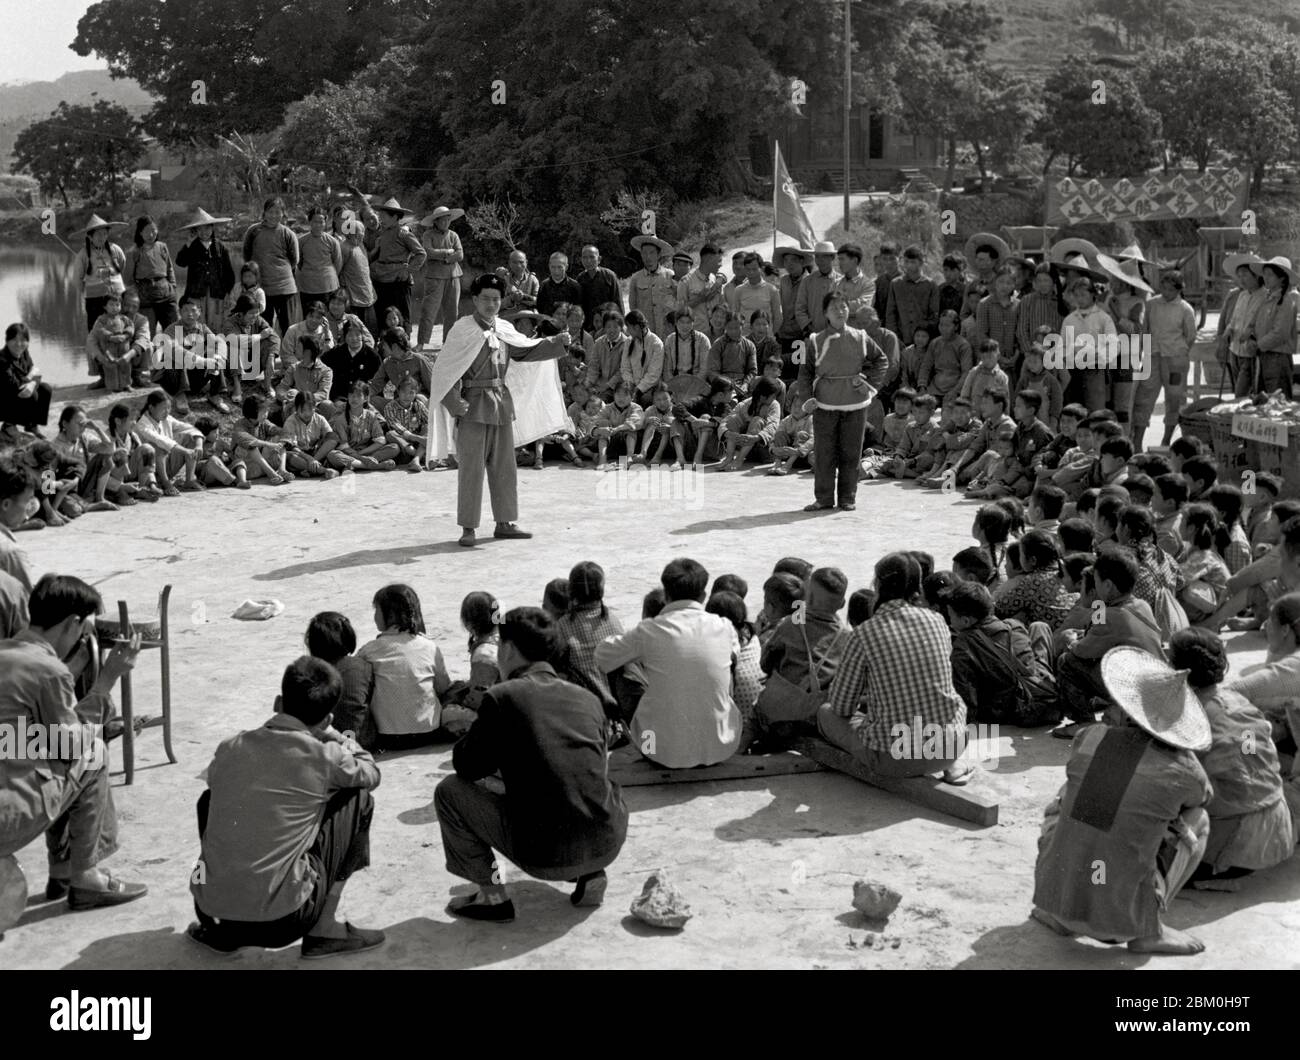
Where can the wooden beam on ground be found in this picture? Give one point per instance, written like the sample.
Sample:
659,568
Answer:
629,770
930,792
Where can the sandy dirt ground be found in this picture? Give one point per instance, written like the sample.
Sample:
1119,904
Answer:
767,864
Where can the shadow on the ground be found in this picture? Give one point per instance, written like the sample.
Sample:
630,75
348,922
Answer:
361,558
1032,945
750,522
543,915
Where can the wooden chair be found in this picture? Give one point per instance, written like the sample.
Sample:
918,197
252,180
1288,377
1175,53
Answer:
154,634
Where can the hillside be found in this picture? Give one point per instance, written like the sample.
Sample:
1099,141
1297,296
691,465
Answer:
22,103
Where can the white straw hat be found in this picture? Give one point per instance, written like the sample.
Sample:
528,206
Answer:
1157,697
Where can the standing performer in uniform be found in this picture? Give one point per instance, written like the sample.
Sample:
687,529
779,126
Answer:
396,257
469,378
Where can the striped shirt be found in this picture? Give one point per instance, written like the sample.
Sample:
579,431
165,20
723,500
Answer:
996,321
898,664
1036,311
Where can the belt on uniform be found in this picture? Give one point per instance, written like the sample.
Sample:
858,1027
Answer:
481,384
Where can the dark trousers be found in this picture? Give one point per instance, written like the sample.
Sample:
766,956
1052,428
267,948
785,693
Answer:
94,307
1078,682
397,293
837,453
28,412
473,822
1275,372
161,314
85,833
342,847
278,313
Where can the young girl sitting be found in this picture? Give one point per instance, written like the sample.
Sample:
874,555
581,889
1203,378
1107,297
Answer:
132,474
362,442
881,453
217,464
407,416
1039,594
256,441
309,441
751,425
89,461
793,440
662,426
479,612
169,437
410,675
1203,568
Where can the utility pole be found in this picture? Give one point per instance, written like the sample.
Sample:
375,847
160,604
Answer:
848,104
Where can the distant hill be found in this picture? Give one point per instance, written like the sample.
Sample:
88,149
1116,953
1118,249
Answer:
29,101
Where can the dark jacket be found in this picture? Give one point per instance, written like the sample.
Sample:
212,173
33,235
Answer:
348,369
208,272
547,739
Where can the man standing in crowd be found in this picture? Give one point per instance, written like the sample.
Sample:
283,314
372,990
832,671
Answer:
65,793
469,377
442,273
703,287
561,817
913,299
599,285
284,824
858,288
795,263
559,287
814,288
888,272
652,288
686,716
755,294
396,258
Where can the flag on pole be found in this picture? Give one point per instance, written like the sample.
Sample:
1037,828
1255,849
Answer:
789,217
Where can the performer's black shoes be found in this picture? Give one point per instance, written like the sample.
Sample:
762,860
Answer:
467,539
510,530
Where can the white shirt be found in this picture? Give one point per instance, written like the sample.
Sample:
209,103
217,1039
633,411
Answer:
687,716
404,699
167,435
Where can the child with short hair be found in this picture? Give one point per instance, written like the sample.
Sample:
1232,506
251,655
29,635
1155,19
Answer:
585,413
781,592
256,441
1034,376
1032,434
1046,503
765,346
132,473
862,605
946,360
751,426
1141,489
954,440
1201,474
618,421
1076,535
662,425
250,286
793,440
986,375
952,290
653,602
407,418
705,417
915,454
309,441
880,456
363,443
218,464
1053,456
913,355
111,340
999,472
555,598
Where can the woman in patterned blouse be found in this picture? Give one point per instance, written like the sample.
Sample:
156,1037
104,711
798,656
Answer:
1038,595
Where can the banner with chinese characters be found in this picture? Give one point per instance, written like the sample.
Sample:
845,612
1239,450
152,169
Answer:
1258,429
1214,193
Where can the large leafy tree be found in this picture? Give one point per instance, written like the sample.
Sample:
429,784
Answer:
90,149
1104,130
253,57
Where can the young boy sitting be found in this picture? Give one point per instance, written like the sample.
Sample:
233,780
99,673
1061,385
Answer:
1033,436
1033,376
1050,458
111,341
407,417
999,472
916,452
751,425
882,452
986,375
584,411
993,407
955,438
218,465
256,441
793,440
662,426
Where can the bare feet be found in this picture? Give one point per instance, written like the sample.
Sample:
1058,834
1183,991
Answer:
1170,942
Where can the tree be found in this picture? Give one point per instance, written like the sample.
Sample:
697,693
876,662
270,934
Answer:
332,131
221,65
90,149
41,151
1095,118
997,112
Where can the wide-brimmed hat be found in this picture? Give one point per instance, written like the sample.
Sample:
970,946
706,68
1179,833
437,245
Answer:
1063,248
1232,262
524,314
664,246
441,211
202,217
1126,272
682,255
790,248
824,247
391,205
98,222
1279,262
1157,697
980,238
1079,263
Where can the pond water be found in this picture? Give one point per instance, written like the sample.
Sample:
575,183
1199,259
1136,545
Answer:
39,286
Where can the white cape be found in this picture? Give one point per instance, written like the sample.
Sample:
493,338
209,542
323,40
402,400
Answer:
535,387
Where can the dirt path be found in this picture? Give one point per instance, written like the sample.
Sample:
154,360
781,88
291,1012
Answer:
767,864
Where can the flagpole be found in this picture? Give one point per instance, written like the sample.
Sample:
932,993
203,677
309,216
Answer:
776,188
848,101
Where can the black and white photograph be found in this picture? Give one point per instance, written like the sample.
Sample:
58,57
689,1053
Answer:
635,485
